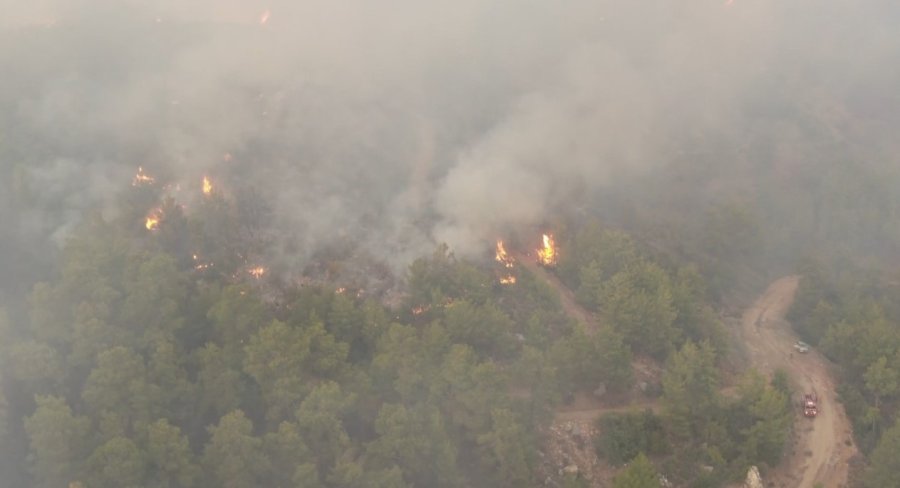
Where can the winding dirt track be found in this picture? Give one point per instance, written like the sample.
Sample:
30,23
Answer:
822,446
566,295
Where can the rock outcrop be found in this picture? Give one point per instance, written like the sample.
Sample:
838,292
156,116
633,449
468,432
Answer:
753,479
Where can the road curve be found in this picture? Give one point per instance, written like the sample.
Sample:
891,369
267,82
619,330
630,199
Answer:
822,446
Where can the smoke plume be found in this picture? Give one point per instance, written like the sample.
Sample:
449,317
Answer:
404,122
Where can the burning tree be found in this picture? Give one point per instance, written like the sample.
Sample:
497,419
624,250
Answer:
153,219
207,186
142,178
548,255
502,257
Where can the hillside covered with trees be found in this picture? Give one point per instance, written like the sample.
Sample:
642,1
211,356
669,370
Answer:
257,243
161,357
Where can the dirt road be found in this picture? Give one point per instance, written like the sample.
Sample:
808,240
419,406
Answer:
586,408
566,295
822,447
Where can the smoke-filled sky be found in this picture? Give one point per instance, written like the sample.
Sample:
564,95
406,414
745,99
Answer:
404,121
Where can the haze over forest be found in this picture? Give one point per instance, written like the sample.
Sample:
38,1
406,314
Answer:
740,139
411,124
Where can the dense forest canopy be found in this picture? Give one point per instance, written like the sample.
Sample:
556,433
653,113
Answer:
143,362
250,243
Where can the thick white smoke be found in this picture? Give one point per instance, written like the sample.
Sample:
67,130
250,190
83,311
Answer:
404,122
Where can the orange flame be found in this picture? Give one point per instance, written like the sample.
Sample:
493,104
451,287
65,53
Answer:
502,257
207,186
548,254
152,220
264,17
201,266
141,178
419,310
508,280
257,272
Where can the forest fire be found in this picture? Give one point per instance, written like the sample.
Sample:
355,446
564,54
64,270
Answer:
142,178
502,257
201,266
152,220
548,255
207,186
257,272
420,309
